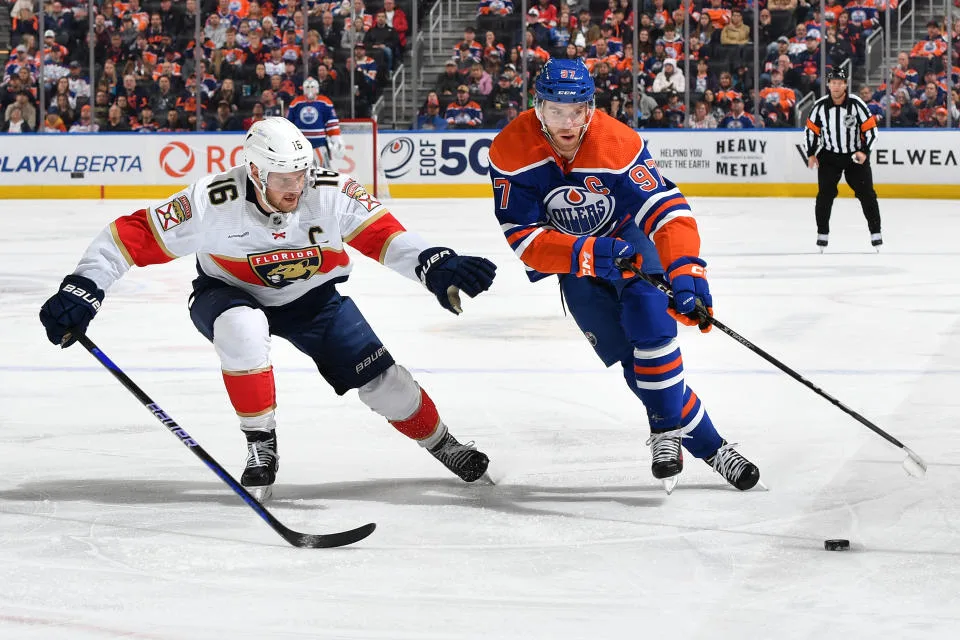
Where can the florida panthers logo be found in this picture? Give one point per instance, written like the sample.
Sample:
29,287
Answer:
578,211
281,268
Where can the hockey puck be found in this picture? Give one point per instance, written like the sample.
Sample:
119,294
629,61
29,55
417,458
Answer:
836,545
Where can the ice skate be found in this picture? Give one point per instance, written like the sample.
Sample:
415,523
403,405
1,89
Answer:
667,457
462,459
260,471
822,241
876,240
737,470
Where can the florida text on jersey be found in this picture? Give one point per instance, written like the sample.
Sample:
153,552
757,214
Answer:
218,219
612,187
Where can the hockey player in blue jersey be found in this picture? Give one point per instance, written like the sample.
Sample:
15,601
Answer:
315,117
576,192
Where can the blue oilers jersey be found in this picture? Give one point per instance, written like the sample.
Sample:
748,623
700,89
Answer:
612,187
315,118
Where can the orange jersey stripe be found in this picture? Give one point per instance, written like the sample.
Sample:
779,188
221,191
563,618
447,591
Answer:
813,127
519,235
869,124
689,405
663,368
136,240
652,217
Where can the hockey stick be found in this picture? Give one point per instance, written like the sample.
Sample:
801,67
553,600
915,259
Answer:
913,464
297,539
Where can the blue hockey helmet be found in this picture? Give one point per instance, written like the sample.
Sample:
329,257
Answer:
566,81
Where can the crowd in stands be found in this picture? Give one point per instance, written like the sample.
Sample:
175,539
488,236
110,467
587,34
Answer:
249,60
482,84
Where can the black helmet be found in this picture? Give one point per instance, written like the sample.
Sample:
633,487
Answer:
837,73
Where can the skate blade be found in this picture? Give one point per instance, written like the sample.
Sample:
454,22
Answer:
262,494
669,484
486,479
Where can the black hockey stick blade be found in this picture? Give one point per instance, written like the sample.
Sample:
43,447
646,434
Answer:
297,539
327,540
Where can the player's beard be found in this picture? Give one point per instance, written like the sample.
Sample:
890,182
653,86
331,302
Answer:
284,202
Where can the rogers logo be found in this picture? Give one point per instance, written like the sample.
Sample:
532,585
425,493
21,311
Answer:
170,159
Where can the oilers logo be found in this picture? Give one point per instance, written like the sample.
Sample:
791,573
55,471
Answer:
309,114
578,211
395,157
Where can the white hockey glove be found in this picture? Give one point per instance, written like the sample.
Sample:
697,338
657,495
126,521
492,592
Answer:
335,146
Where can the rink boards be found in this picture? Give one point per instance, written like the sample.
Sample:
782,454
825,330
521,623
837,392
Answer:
909,163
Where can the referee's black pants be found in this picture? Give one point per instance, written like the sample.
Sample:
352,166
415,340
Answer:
859,177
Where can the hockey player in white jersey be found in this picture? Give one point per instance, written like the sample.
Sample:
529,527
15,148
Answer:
269,237
315,116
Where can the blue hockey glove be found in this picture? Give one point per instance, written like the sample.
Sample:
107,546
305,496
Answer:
71,309
599,257
692,302
445,274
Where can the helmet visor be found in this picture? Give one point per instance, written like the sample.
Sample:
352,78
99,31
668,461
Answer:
286,182
559,115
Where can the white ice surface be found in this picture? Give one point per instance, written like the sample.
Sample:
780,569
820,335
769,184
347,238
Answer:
109,528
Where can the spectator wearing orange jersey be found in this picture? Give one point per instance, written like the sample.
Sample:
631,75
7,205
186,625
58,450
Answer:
933,46
672,42
53,123
777,96
719,15
660,15
833,9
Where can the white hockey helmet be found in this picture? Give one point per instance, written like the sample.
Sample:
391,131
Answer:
311,88
275,145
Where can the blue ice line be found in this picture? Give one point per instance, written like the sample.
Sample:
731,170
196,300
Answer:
501,371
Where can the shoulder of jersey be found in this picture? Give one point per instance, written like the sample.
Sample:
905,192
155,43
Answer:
303,99
521,145
609,145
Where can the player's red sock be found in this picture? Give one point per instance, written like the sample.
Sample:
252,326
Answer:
252,393
424,421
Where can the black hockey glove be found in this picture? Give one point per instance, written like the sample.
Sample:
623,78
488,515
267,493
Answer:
445,274
71,309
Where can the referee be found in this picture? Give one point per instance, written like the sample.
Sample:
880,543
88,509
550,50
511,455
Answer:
844,130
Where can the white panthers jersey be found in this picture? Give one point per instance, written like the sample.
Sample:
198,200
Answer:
218,218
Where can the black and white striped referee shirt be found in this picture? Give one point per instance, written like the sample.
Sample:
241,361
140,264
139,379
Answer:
841,128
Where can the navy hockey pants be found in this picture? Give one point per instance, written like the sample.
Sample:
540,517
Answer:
322,324
619,318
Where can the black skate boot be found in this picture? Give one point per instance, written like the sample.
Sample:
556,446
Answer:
260,471
822,239
667,457
462,459
738,471
876,240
